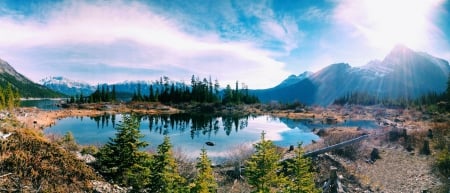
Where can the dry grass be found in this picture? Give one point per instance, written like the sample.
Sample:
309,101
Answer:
36,165
397,171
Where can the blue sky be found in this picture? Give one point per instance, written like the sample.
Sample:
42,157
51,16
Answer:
259,43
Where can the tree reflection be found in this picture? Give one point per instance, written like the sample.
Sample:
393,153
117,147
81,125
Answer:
196,124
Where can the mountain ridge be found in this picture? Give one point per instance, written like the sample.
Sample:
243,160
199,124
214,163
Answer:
26,87
403,73
67,86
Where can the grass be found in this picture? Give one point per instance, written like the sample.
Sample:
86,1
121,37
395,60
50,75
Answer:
33,164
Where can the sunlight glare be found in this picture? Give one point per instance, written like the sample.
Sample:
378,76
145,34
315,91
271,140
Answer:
386,23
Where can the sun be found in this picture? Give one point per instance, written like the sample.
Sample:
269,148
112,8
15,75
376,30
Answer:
386,23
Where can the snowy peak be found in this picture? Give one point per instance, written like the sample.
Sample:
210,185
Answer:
59,80
67,86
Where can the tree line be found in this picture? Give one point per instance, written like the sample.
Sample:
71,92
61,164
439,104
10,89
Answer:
122,161
201,90
103,93
165,91
438,101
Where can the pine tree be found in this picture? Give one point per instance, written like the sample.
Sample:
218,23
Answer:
151,95
262,167
113,93
301,179
205,182
121,160
165,176
10,101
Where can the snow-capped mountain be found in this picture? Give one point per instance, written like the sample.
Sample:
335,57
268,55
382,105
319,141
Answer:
402,73
67,86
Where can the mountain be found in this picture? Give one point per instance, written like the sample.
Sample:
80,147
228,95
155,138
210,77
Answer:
27,88
67,86
292,79
402,73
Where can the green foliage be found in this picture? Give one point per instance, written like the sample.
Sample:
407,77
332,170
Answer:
443,162
26,87
205,182
9,97
102,94
238,96
90,149
263,167
121,160
201,90
68,142
301,180
165,176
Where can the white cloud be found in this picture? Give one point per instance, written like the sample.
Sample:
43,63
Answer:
95,33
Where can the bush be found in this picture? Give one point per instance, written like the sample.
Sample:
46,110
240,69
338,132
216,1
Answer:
39,166
90,149
443,162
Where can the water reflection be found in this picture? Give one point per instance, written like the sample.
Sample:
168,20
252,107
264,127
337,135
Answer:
196,124
188,132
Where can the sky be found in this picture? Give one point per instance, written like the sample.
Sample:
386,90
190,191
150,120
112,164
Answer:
259,43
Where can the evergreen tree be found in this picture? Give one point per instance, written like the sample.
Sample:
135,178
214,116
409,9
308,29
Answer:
10,100
151,95
2,99
228,95
262,167
113,93
165,176
205,182
120,159
301,179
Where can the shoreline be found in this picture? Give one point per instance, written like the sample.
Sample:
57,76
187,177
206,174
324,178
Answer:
32,117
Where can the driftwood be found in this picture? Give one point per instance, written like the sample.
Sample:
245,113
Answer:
335,146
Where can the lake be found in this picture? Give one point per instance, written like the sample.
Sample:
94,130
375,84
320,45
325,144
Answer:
189,133
43,104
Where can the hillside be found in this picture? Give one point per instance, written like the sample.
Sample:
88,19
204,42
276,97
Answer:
27,88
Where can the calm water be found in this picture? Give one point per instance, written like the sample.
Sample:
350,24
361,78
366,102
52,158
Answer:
188,133
44,104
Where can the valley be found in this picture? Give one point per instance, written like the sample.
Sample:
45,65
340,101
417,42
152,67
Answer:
398,105
357,174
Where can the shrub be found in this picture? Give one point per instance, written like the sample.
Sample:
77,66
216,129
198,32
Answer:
40,166
90,149
443,162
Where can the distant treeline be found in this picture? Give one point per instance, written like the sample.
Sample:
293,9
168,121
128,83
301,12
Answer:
103,93
166,91
440,100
